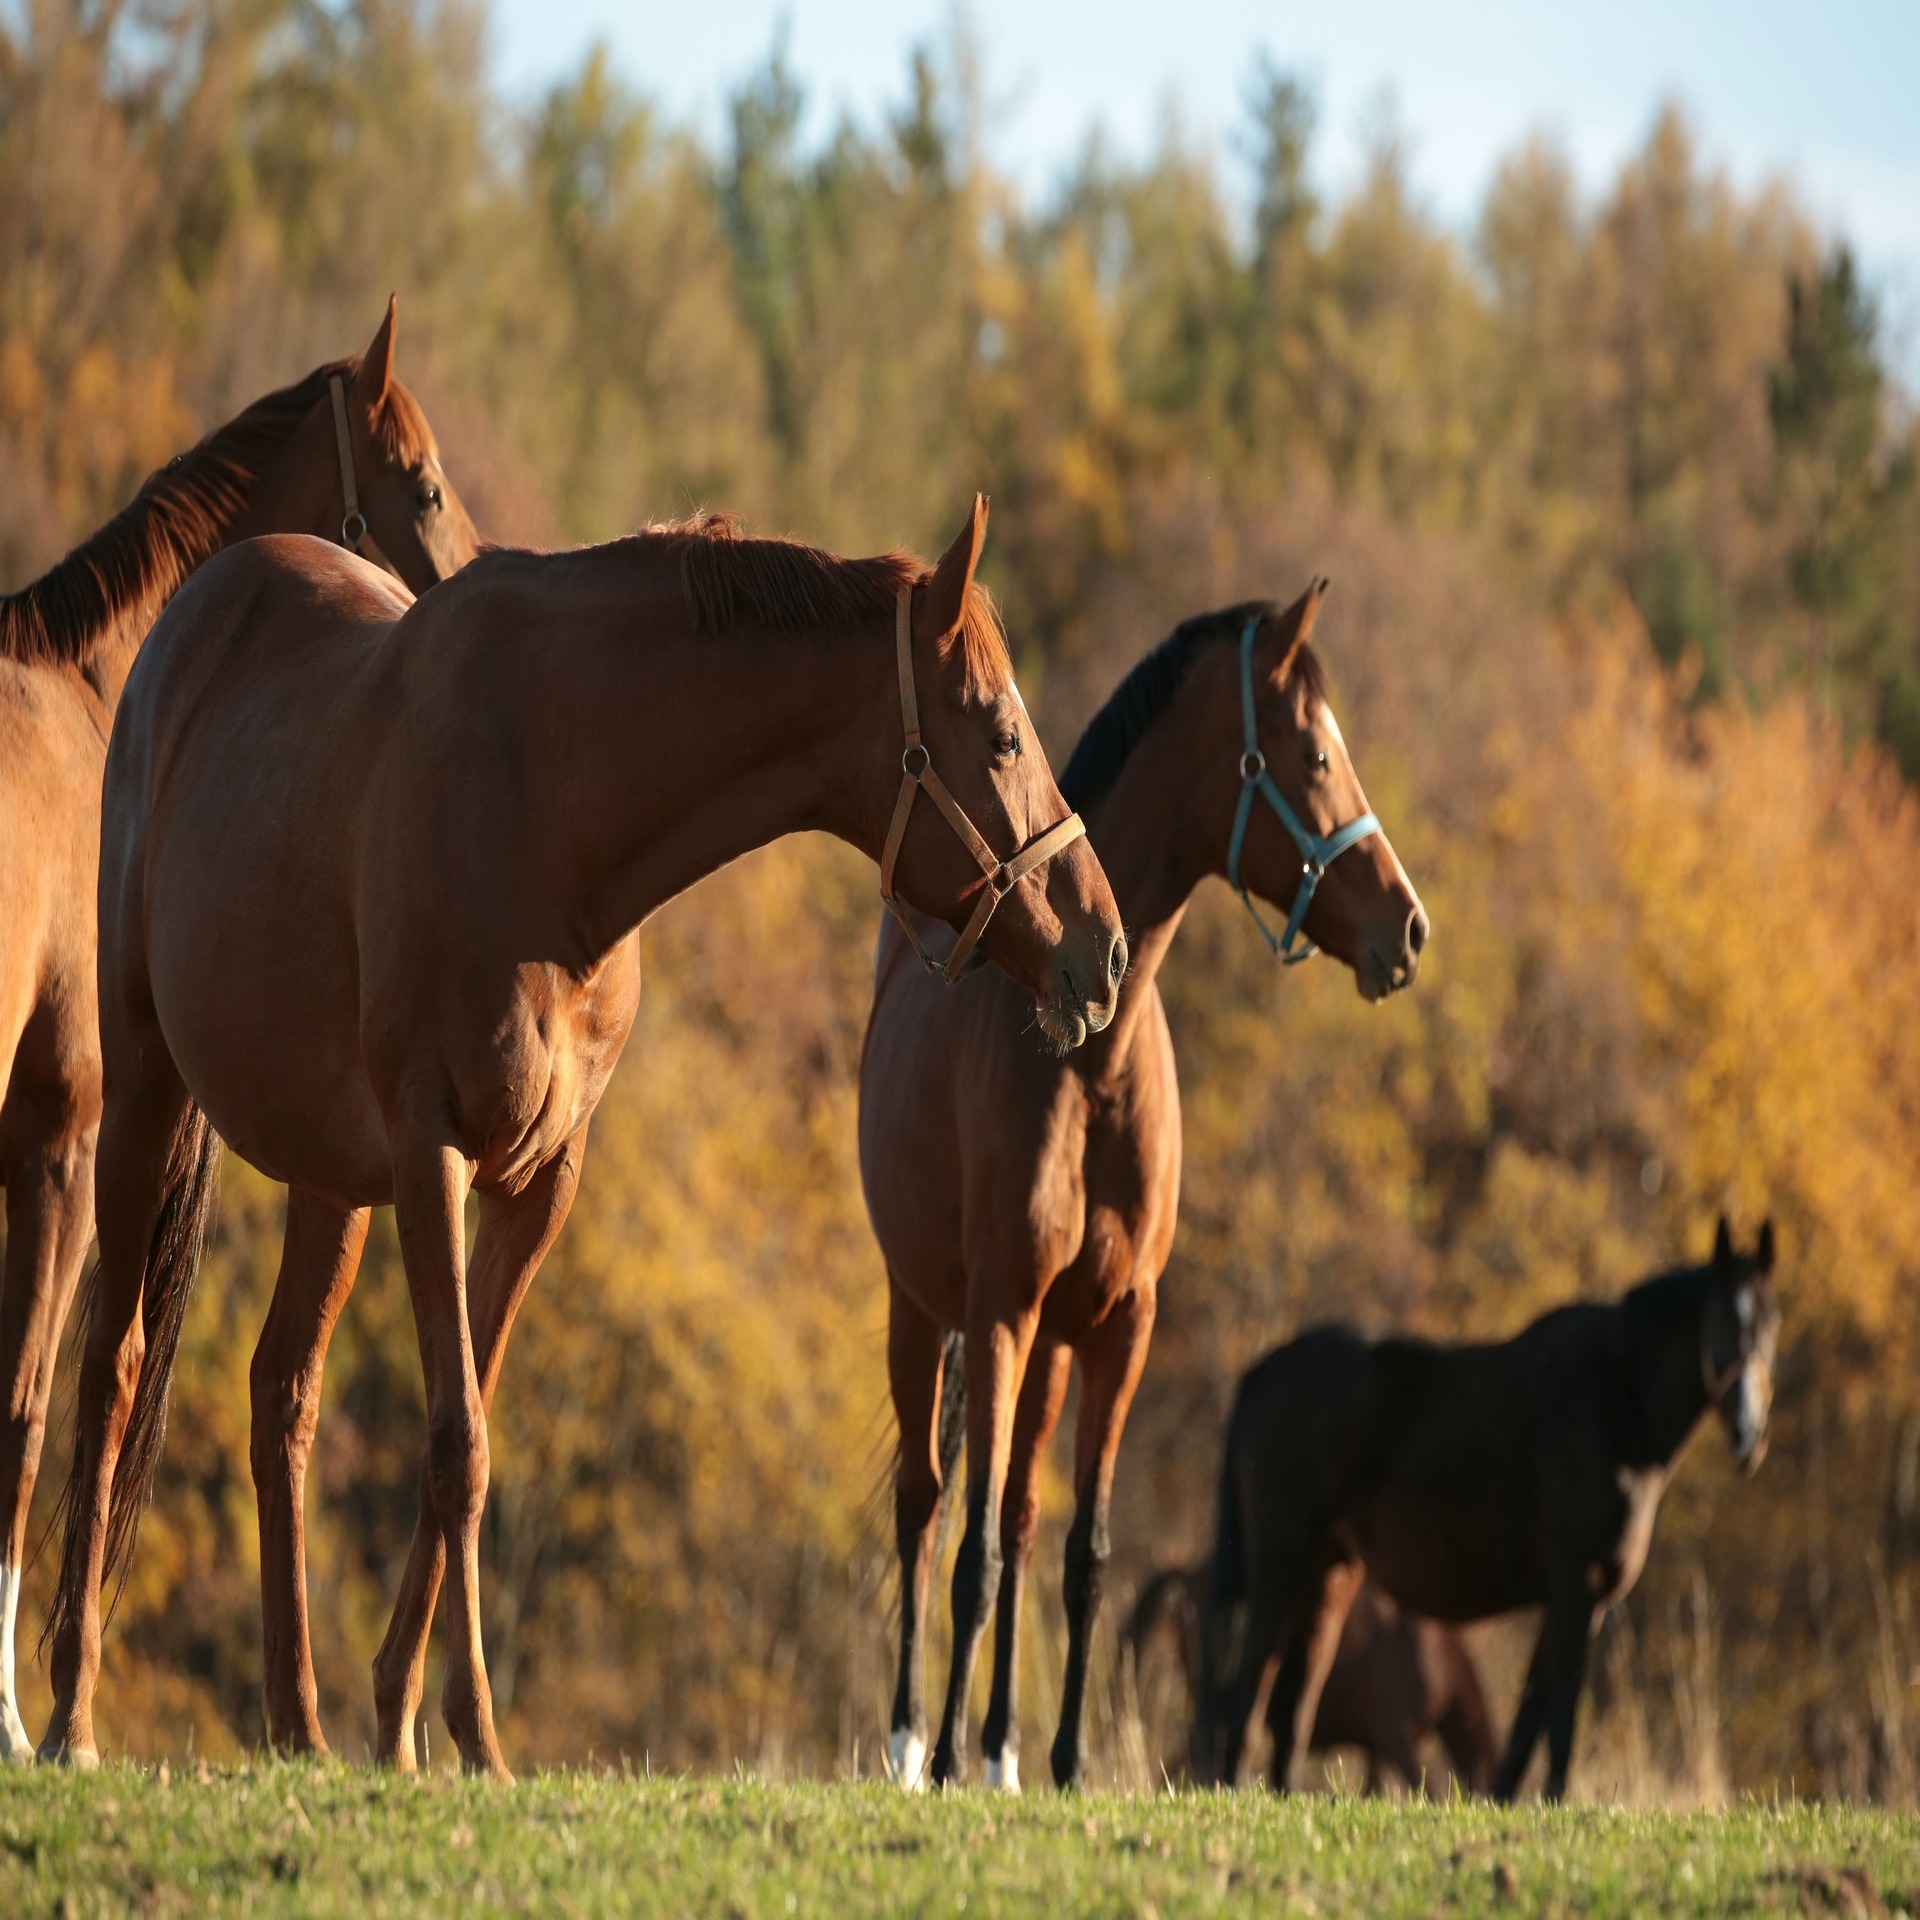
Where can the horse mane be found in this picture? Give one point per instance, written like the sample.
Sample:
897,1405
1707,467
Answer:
730,579
179,518
1148,690
1657,1302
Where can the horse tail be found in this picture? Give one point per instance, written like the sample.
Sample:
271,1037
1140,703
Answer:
189,1204
1466,1727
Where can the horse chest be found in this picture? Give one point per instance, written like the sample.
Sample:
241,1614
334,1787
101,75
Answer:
1611,1575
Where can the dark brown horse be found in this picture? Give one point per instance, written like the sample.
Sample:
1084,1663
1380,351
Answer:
1397,1679
1027,1201
67,643
371,880
1470,1481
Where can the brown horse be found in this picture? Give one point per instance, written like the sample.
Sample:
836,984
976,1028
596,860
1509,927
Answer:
372,875
1469,1481
1397,1679
1028,1201
67,643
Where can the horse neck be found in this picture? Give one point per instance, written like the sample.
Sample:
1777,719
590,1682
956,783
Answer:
1154,859
160,549
1669,1385
688,750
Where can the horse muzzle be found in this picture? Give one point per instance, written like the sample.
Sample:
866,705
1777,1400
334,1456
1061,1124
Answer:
1390,966
1071,1012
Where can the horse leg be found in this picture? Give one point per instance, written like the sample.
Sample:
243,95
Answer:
1042,1394
997,1353
1528,1719
1111,1360
137,1135
1567,1635
431,1180
515,1232
914,1351
1314,1640
49,1178
318,1261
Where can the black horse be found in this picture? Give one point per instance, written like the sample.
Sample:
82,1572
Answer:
1469,1481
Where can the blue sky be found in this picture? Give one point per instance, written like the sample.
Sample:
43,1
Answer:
1826,94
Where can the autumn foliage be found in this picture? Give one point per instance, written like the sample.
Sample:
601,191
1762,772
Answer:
1621,515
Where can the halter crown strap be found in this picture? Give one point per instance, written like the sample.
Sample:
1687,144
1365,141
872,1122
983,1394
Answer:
997,877
1316,854
353,523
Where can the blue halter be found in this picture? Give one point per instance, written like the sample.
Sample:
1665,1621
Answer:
1316,854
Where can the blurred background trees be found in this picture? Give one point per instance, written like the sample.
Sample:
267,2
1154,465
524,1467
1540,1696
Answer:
1619,500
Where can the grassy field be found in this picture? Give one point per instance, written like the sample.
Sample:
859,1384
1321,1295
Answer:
289,1839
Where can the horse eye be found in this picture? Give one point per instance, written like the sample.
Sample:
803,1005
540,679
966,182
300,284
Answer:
1007,744
430,498
1317,762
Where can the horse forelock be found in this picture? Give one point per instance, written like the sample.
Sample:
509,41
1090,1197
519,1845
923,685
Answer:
1149,689
400,430
180,517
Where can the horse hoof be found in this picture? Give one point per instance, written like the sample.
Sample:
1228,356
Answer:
80,1759
907,1759
15,1748
1003,1773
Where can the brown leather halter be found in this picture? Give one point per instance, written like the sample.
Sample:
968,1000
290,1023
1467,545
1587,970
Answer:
998,877
353,523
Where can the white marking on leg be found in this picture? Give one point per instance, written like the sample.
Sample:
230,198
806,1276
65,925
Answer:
14,1744
907,1759
1003,1772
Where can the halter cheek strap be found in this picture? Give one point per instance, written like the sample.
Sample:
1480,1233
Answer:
353,523
998,877
1316,854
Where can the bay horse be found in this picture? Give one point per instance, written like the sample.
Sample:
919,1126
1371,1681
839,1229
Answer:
345,452
1027,1201
1397,1679
372,875
1469,1481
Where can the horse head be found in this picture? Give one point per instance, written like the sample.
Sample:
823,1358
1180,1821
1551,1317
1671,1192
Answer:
1737,1341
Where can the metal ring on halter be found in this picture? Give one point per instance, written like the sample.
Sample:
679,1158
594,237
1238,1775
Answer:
353,529
1253,764
926,760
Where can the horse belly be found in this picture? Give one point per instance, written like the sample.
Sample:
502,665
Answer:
1450,1561
254,976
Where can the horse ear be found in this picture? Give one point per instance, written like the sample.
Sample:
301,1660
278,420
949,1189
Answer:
1723,1244
1296,624
375,376
946,600
1763,1254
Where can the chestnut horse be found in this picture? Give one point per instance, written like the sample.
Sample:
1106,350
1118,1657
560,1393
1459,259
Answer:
1028,1201
1469,1481
67,643
1397,1678
372,876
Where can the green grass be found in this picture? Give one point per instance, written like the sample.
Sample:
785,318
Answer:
273,1839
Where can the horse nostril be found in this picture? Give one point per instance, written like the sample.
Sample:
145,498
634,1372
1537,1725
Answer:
1117,960
1416,932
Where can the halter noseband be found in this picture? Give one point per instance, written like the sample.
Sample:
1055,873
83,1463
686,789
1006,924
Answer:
1316,854
997,877
353,523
